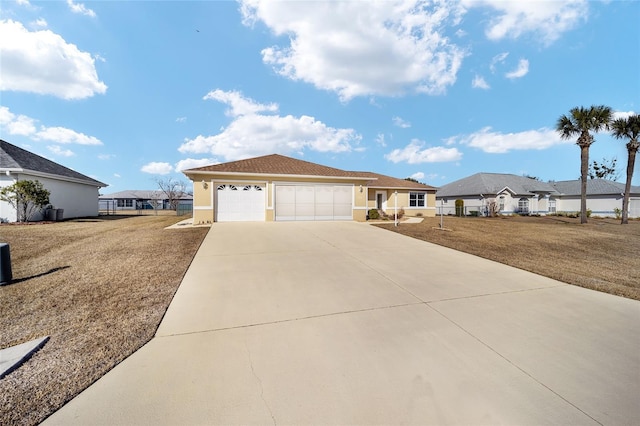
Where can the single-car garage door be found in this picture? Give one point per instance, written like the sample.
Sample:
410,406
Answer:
314,202
240,203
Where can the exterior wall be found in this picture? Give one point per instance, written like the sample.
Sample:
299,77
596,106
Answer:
600,206
536,204
77,200
7,213
403,202
204,194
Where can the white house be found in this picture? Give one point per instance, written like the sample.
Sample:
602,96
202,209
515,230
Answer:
522,195
142,200
73,192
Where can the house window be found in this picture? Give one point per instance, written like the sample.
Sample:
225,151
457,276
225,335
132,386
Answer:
125,203
417,199
501,202
523,205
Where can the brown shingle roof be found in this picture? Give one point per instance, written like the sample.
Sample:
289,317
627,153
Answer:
384,181
277,165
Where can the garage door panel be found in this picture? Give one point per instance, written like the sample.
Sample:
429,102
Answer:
314,202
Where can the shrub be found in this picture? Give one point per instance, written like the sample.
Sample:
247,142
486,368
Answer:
588,212
618,212
474,213
460,208
374,214
419,214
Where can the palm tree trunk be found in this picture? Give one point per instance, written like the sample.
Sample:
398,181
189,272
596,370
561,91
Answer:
627,187
584,169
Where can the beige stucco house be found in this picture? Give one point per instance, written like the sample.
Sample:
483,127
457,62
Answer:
279,188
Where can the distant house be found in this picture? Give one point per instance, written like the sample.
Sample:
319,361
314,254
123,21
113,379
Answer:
522,195
141,200
279,188
72,192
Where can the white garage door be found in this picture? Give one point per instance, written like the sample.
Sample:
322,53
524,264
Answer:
314,202
240,203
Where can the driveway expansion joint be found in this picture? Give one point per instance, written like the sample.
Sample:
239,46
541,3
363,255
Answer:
253,371
516,366
525,290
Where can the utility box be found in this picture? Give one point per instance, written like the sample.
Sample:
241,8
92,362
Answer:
5,264
59,214
50,214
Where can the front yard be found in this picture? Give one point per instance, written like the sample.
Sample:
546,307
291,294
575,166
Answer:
99,287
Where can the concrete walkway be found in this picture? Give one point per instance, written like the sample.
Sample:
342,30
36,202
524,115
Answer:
345,323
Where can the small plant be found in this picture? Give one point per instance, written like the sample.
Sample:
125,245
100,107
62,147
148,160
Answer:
374,214
618,212
474,213
459,208
588,212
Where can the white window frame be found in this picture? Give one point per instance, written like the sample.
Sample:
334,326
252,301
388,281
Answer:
418,202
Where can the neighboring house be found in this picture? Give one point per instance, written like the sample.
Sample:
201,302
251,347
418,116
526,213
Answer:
73,192
279,188
522,195
603,197
140,200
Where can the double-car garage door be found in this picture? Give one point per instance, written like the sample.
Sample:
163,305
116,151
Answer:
247,202
314,202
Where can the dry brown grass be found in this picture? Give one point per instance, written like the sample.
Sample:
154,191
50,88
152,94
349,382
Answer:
98,287
601,255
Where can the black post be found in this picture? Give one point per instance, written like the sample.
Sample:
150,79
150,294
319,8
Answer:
5,264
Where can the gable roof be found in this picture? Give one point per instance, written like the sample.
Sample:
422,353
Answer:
388,182
275,164
594,187
494,183
141,195
14,159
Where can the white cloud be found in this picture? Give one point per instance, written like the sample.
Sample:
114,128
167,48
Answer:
417,176
55,149
498,59
190,163
623,114
521,71
64,135
239,105
380,140
181,119
157,168
547,20
106,156
116,175
43,62
414,154
251,134
480,83
80,8
26,126
499,143
399,122
362,48
16,124
39,23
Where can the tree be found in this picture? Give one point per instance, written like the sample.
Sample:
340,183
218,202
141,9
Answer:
26,196
607,169
173,189
580,122
628,128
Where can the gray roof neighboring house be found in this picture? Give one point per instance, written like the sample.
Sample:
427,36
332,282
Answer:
141,195
493,184
14,159
594,187
489,184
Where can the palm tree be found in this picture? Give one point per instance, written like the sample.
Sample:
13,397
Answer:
580,122
628,128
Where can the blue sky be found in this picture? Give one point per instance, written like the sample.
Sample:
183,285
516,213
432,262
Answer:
129,92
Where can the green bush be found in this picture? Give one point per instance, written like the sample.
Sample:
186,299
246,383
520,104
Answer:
460,208
374,214
618,212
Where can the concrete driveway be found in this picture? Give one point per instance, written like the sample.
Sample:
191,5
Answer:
345,323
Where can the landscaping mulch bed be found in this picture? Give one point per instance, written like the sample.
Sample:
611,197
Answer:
601,255
99,287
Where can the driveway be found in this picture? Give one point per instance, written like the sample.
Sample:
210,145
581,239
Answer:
345,323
